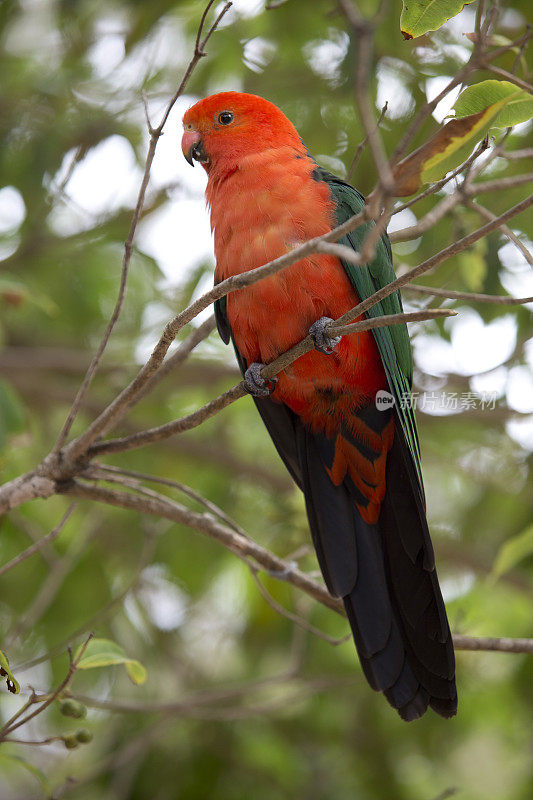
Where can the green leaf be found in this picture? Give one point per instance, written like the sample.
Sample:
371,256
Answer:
420,16
445,150
35,771
105,653
12,683
512,552
519,106
136,671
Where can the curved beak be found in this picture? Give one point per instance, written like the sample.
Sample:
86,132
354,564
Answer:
193,148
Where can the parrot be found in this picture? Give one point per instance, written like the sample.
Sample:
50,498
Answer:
337,415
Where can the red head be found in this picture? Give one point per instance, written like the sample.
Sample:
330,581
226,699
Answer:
221,130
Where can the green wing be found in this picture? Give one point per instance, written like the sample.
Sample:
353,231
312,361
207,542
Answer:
393,342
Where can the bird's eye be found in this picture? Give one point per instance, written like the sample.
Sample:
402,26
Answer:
225,117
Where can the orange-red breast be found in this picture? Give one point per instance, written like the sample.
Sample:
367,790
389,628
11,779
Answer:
355,458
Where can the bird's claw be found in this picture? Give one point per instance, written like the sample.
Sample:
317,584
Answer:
323,342
255,384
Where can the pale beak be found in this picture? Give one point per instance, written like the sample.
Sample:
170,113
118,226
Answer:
193,148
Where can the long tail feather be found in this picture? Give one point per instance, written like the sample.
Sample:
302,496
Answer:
380,564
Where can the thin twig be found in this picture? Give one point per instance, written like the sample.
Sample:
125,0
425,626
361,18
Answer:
142,476
438,258
362,143
294,618
508,76
389,319
464,193
35,742
38,545
488,215
161,432
473,297
517,155
11,725
502,645
446,793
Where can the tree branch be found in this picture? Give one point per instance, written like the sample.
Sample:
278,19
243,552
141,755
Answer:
491,644
155,134
239,390
508,76
245,547
162,506
473,297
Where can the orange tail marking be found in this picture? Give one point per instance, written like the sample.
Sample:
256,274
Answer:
368,475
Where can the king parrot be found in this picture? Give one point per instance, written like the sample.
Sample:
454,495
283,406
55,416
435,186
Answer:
356,460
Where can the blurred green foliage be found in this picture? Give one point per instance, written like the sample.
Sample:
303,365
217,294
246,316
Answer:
257,708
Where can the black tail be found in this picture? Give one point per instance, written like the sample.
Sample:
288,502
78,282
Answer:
385,574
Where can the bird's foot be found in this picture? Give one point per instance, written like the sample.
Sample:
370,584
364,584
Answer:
255,384
323,342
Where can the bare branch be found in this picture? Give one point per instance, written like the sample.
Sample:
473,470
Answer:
473,297
26,487
516,155
486,214
239,390
361,145
245,547
502,645
170,428
182,353
499,184
99,471
428,220
389,319
205,523
508,76
155,134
